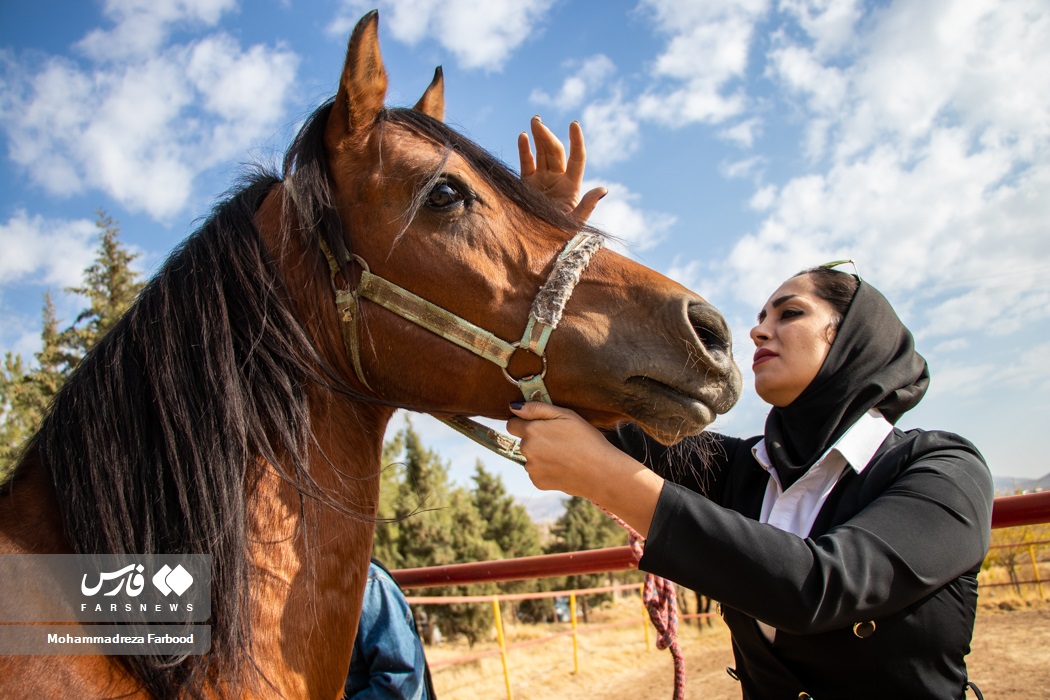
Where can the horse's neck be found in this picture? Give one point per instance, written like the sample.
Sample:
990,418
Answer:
310,558
29,517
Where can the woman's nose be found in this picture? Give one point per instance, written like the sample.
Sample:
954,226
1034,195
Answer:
759,334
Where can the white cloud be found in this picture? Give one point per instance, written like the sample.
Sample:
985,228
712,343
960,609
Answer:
746,168
51,251
700,69
142,128
800,71
764,198
982,65
964,380
934,142
1027,370
743,133
613,133
576,88
697,77
829,23
479,38
1031,372
142,26
619,215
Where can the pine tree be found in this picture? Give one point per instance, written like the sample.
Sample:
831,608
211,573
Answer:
52,364
467,540
509,527
582,527
110,286
15,422
432,524
421,508
507,523
25,393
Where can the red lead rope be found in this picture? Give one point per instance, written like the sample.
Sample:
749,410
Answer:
661,602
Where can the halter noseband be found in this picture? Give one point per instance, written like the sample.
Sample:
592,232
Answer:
544,316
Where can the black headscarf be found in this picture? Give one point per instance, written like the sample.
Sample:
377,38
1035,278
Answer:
871,363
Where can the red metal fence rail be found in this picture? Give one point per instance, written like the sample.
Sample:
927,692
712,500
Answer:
1026,509
1008,511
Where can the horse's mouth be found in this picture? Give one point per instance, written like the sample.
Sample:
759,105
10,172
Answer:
667,412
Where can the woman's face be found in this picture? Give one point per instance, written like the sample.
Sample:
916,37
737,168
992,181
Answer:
792,338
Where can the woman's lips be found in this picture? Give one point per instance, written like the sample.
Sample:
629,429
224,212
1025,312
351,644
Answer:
762,355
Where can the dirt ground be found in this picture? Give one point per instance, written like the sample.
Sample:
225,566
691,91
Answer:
1010,659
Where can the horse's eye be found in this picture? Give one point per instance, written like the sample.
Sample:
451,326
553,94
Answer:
444,196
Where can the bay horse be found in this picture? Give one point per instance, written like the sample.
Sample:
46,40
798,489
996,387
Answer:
224,415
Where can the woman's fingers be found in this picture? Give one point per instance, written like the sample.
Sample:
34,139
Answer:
577,154
549,171
550,154
583,210
528,163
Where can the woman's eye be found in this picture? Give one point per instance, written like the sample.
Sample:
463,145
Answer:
444,196
790,313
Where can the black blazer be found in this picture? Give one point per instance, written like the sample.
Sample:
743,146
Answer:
896,548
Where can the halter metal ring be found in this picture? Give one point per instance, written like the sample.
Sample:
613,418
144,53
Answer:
543,372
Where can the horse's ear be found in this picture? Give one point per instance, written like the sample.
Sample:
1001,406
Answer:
362,87
432,103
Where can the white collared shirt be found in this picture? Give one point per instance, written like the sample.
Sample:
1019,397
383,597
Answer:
796,509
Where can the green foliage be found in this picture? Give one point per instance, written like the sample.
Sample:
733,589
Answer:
507,523
427,521
25,392
110,286
583,526
509,526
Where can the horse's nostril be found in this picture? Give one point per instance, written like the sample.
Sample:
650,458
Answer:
709,327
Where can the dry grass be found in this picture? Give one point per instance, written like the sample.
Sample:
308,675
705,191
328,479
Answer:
610,660
1010,657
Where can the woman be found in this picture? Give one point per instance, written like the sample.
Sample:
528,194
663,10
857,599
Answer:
844,551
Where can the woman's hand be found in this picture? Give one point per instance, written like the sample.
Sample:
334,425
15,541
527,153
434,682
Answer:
563,451
560,179
566,453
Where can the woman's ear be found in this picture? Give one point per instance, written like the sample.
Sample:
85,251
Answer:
832,330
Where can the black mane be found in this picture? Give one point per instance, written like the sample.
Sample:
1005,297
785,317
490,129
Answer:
148,443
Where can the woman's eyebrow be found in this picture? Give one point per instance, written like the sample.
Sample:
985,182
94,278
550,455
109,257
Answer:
776,303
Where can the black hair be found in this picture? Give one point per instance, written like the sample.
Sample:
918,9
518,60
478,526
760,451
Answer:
835,287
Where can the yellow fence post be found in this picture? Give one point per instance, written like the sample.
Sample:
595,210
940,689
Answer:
645,624
1035,567
502,644
575,635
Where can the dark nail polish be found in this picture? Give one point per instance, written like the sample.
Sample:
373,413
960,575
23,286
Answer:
517,404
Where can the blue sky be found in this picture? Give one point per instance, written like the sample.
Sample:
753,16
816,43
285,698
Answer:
741,140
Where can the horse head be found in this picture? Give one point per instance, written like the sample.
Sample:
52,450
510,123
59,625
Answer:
431,212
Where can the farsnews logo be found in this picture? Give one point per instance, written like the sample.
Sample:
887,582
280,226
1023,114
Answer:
130,579
130,574
169,580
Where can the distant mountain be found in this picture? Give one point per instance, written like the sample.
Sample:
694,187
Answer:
1007,485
